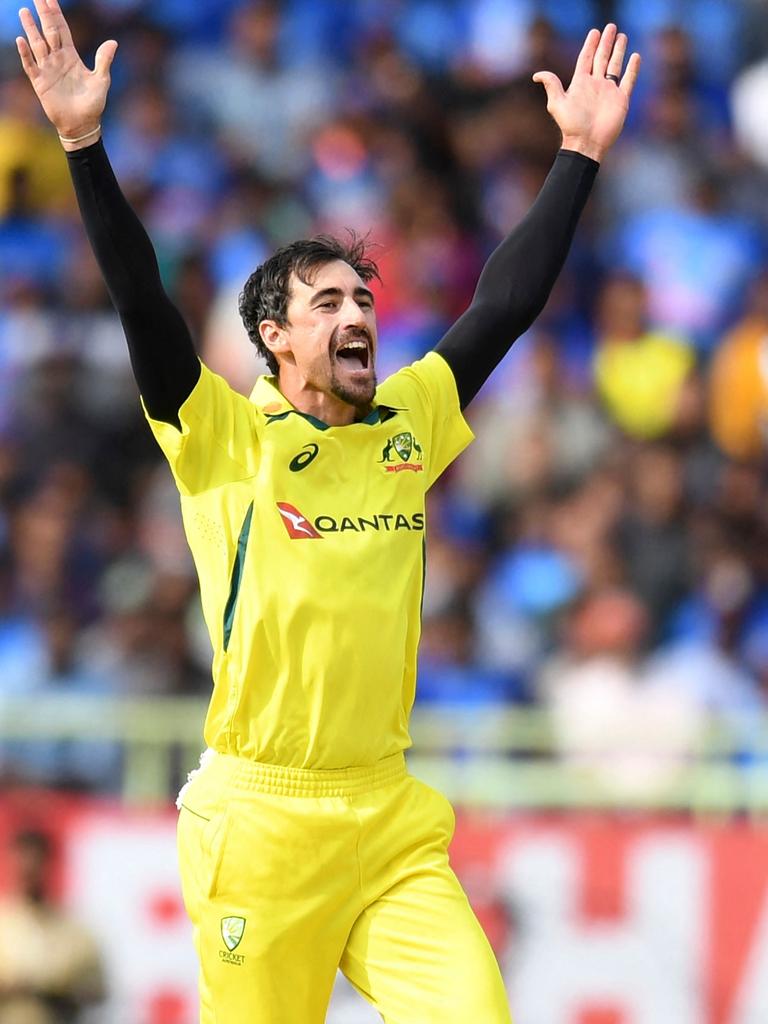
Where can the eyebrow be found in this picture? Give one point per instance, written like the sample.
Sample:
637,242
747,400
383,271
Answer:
336,293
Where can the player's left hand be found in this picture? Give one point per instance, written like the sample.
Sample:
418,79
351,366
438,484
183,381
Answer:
591,112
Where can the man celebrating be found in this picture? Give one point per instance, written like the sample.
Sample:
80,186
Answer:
304,844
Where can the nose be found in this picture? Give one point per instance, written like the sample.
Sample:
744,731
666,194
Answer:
352,314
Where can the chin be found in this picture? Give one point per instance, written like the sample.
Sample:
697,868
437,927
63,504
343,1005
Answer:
360,395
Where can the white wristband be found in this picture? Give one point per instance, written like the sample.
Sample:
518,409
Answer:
81,138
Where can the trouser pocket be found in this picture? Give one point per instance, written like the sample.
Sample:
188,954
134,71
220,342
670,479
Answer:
202,842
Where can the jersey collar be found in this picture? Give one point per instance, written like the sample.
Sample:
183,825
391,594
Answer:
272,402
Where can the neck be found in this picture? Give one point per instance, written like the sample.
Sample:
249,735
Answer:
320,404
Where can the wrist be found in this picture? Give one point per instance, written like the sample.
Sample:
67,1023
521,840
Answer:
79,137
584,146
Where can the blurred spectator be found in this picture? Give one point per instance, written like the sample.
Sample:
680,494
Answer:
449,672
658,168
651,536
695,260
50,968
141,644
262,105
44,664
32,251
639,372
152,152
747,97
532,429
625,728
29,152
739,380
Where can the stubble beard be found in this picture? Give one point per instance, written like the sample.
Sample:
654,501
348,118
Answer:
360,396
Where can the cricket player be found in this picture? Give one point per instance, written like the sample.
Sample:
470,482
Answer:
304,844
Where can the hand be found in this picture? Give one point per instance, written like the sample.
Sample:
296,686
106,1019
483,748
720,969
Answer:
72,96
591,113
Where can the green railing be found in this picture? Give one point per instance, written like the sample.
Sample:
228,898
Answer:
496,758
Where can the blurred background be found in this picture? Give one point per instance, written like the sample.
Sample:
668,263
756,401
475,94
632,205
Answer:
594,662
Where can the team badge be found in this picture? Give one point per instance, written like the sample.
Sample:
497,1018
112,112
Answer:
403,445
232,929
407,449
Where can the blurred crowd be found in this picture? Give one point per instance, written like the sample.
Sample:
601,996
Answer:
602,549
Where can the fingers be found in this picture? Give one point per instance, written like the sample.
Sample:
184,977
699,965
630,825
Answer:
41,7
54,23
55,31
586,57
51,33
104,57
28,62
552,85
604,51
616,63
37,44
630,75
603,54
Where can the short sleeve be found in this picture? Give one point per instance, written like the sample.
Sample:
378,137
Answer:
427,388
217,442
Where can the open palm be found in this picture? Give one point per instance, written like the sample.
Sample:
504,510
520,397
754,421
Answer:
591,112
72,96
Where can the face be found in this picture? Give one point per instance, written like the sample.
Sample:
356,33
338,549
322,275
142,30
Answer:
330,337
30,866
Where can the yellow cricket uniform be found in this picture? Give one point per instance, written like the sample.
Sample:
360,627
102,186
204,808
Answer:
303,842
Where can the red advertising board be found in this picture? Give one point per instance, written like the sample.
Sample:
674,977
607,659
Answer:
613,920
595,919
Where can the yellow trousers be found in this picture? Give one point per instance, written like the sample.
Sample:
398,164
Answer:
288,874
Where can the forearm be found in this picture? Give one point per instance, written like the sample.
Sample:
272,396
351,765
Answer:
162,353
518,277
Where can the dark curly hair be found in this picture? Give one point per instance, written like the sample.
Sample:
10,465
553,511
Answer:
266,293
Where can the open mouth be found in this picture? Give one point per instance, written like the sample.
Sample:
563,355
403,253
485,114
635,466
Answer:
354,354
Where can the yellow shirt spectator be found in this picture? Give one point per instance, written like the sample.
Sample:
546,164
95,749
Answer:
640,381
32,148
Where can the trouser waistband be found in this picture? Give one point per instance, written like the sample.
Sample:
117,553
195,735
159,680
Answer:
254,776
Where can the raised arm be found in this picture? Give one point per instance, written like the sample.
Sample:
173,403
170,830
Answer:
73,97
518,277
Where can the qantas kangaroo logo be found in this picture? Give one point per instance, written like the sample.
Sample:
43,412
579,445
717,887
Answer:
297,525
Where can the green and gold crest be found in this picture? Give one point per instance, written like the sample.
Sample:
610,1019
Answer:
232,929
403,445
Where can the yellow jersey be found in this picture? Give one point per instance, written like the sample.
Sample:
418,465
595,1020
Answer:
308,541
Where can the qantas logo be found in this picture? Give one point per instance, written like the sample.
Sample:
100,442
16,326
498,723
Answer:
297,525
300,528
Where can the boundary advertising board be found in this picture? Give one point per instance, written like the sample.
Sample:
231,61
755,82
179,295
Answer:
595,919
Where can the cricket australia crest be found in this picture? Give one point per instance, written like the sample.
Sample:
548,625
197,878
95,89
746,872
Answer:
403,445
407,449
232,929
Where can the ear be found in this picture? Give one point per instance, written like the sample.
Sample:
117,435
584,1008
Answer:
274,337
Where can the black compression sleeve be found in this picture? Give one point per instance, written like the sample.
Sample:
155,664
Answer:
518,277
162,353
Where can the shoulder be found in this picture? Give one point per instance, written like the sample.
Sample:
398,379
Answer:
429,380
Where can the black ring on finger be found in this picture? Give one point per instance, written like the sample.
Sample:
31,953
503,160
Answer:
613,78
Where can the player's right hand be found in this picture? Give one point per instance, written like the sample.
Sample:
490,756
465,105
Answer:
72,96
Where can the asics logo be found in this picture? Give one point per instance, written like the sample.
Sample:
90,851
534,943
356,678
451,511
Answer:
297,525
303,459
